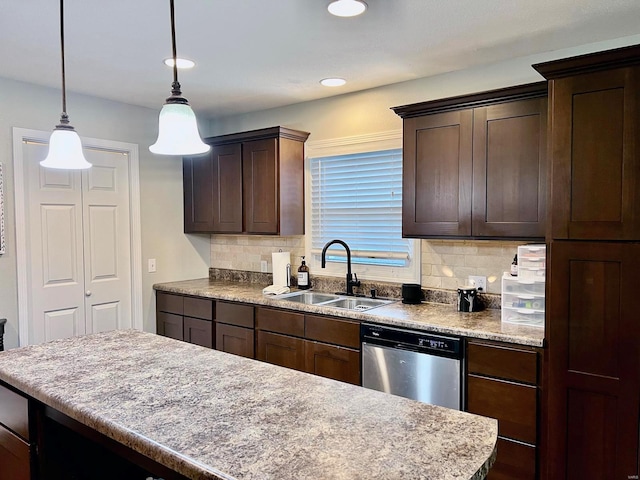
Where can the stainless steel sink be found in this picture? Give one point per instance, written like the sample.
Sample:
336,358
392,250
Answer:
333,301
357,303
308,298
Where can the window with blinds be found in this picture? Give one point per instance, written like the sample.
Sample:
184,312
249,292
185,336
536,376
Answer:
357,198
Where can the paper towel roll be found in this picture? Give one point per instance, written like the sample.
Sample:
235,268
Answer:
280,262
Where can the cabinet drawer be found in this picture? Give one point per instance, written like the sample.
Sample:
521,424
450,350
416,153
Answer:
502,362
514,461
236,340
234,314
281,350
198,308
198,332
332,330
167,302
512,404
280,321
329,361
14,456
14,412
170,325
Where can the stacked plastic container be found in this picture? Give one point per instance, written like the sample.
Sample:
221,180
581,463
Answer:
523,299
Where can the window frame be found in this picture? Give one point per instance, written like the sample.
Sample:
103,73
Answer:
411,273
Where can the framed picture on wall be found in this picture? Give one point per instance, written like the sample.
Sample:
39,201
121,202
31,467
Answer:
1,214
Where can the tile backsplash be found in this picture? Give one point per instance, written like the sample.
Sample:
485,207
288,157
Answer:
446,264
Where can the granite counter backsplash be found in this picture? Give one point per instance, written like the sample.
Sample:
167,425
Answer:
331,284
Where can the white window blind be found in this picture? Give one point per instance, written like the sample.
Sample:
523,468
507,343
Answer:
357,198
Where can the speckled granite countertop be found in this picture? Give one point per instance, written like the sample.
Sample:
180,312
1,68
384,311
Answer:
211,415
433,317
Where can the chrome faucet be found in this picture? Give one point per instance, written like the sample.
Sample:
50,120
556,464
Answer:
352,279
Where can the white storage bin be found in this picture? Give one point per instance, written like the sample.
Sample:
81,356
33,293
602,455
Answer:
533,251
525,302
517,285
523,317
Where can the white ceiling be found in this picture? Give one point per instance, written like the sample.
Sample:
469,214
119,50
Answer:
257,54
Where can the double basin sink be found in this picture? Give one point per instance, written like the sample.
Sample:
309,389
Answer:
333,300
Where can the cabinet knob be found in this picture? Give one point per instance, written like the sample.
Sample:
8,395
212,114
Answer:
87,293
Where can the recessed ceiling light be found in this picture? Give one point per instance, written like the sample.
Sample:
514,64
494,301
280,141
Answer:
347,8
333,82
182,63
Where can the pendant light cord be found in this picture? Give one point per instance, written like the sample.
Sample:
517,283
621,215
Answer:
64,118
175,86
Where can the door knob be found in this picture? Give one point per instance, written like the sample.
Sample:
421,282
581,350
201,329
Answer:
88,293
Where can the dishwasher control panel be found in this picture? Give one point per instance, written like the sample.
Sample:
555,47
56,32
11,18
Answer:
411,340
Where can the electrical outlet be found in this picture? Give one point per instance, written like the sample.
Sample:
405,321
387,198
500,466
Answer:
152,265
263,266
478,281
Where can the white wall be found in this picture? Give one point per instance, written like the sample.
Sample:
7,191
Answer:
369,111
179,256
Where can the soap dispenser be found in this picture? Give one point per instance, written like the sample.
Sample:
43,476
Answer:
303,276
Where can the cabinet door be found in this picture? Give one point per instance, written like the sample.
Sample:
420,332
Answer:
515,461
170,325
227,188
260,187
595,142
436,176
14,456
510,169
593,380
514,406
236,340
334,362
198,332
198,180
281,350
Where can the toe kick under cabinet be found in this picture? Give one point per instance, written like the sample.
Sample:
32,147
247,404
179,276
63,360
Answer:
503,382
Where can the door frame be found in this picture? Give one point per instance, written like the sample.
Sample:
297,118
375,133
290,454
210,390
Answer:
22,135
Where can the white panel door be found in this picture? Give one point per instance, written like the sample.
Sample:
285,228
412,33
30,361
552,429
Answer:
79,251
54,202
107,267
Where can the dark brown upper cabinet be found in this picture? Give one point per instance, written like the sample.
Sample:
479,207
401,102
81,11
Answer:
475,165
595,145
250,182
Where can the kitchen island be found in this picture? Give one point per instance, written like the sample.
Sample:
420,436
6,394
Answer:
205,414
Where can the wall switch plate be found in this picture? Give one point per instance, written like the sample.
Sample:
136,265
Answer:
263,266
152,265
478,281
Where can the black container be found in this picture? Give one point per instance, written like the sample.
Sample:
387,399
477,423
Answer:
468,300
411,293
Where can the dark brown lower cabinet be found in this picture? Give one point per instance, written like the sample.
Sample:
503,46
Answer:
281,350
593,331
236,340
515,461
198,331
15,456
503,382
170,325
331,361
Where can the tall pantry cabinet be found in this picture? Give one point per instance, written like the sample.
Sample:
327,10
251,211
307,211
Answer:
592,405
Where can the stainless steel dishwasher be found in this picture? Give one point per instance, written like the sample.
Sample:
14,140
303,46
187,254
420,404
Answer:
422,366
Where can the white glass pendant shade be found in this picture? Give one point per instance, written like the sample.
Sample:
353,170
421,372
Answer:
65,151
347,8
178,132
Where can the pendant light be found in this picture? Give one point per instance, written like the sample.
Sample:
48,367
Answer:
177,127
347,8
65,148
